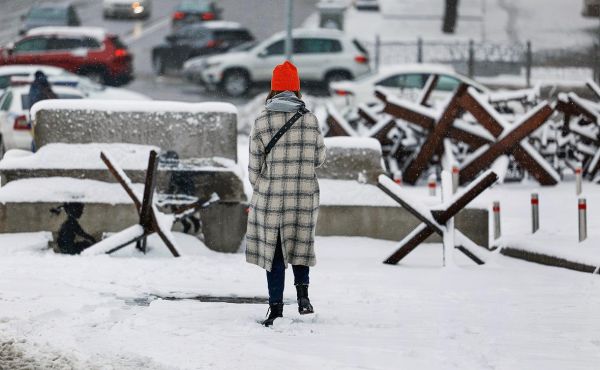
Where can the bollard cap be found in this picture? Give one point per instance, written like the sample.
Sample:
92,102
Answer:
496,207
581,204
534,199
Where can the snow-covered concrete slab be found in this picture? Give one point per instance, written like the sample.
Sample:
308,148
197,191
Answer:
200,130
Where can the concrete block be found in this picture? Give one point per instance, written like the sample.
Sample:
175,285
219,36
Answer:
352,158
199,177
192,130
393,223
107,209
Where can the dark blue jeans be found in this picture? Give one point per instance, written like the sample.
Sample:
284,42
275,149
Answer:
276,277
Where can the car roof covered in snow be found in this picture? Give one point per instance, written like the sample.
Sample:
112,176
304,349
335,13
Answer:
24,89
31,69
220,25
311,32
93,32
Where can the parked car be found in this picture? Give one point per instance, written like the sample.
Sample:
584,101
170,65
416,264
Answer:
194,11
406,81
322,55
86,51
15,126
197,39
591,8
23,74
127,8
49,14
366,5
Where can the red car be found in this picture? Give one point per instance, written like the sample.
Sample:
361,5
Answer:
86,51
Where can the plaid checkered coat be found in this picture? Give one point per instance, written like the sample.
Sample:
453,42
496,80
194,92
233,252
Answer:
286,191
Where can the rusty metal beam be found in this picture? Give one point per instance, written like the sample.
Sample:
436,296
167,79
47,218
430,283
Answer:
435,138
507,144
428,89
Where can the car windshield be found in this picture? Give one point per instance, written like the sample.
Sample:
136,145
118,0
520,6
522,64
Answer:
194,6
245,46
47,13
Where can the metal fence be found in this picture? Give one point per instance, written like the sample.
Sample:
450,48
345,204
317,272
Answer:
482,58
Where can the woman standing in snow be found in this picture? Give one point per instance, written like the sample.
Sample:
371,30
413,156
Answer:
285,201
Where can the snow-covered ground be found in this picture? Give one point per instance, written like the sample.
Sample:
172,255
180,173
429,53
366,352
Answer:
102,312
548,24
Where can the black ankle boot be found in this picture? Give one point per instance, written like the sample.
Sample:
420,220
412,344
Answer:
304,306
275,311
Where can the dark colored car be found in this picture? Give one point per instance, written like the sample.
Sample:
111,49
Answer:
197,40
86,51
42,15
194,11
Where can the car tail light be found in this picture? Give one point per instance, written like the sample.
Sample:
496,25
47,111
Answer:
212,43
361,59
343,92
178,16
121,53
21,123
208,16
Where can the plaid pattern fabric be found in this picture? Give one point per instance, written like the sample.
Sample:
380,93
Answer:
286,191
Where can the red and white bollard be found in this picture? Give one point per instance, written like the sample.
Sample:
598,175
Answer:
397,177
496,211
455,173
535,213
578,175
431,185
582,208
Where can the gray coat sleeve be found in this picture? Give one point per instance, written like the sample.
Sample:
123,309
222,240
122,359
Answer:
257,157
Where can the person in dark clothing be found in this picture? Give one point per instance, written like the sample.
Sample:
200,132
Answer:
70,230
276,277
40,89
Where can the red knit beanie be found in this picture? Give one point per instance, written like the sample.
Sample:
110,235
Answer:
285,78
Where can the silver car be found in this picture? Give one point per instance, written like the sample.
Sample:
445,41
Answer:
127,8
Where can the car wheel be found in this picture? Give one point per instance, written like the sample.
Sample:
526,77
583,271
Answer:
337,76
158,65
236,83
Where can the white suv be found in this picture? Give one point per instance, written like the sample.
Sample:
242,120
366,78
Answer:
321,55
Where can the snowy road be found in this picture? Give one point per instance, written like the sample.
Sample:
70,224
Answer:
262,17
100,312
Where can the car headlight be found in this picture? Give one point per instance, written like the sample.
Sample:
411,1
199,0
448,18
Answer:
209,64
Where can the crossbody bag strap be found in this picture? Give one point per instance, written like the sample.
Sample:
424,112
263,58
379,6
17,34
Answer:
302,111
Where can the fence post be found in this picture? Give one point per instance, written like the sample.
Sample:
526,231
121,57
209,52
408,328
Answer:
419,50
582,207
528,63
455,178
535,213
471,62
377,52
431,185
497,229
578,175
